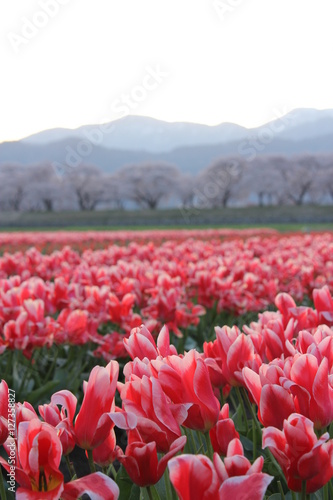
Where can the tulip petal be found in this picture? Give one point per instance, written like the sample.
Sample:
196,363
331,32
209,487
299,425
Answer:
276,404
98,486
245,487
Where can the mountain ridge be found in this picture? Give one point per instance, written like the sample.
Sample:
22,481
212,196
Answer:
297,132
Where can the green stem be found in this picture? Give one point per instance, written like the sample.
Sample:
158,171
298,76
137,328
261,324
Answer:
293,495
210,451
330,487
150,493
277,466
201,442
253,413
70,467
9,365
53,364
113,470
325,492
241,402
303,492
91,461
167,485
190,436
233,401
281,490
24,379
254,439
221,397
188,448
2,487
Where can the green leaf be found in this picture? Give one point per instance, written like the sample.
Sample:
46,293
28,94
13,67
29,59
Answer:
128,490
247,443
155,493
46,390
135,493
238,419
330,430
190,343
160,488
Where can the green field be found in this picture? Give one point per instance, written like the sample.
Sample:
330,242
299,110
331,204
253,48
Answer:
284,218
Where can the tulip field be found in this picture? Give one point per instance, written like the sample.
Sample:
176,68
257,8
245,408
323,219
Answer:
168,364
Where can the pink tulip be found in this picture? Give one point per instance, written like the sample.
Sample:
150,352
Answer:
310,384
185,380
158,419
4,411
62,419
236,351
274,402
301,455
38,456
195,476
223,432
323,303
93,421
142,464
141,344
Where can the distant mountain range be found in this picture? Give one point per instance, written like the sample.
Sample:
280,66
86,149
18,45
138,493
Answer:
190,146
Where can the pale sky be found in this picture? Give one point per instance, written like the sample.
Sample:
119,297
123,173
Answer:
66,63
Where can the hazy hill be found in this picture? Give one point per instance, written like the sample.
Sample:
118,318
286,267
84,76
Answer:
191,147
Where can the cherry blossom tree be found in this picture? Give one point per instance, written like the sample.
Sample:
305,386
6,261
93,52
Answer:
217,183
86,182
13,183
148,184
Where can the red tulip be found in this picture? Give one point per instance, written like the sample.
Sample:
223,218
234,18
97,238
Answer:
319,343
323,303
4,411
93,421
213,362
311,385
274,402
158,419
24,413
236,351
305,317
275,338
111,346
38,457
185,380
98,486
194,477
137,369
141,344
284,302
141,461
120,310
301,455
62,419
223,432
106,453
74,326
235,464
239,478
